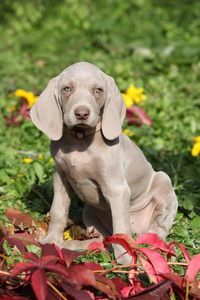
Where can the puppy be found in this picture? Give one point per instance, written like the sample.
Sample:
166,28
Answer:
82,112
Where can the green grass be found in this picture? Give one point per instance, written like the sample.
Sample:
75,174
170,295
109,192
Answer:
153,43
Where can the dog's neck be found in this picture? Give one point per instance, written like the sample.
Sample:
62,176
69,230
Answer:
81,133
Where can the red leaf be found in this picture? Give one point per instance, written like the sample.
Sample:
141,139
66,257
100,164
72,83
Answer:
155,292
193,268
137,115
177,284
96,247
13,120
185,253
159,264
80,275
124,240
49,249
195,292
58,269
149,269
18,218
128,239
3,231
105,285
33,257
22,239
153,240
49,259
119,284
93,266
39,285
22,267
178,280
69,255
24,111
14,298
76,294
126,291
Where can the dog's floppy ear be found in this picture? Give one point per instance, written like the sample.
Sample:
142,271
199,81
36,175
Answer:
114,112
46,113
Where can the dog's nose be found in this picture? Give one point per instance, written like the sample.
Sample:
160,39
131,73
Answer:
82,113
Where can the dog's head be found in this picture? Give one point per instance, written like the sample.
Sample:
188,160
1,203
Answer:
81,96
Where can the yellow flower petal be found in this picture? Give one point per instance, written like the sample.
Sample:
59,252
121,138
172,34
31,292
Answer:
12,108
29,96
143,97
197,139
20,93
13,180
196,149
139,91
40,156
128,133
136,94
67,235
137,99
27,160
51,159
127,99
131,90
31,99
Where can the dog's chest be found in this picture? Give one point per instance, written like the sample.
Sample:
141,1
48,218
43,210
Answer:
80,171
77,165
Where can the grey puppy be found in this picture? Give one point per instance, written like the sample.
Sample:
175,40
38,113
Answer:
82,112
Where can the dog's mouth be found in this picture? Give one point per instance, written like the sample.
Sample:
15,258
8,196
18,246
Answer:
81,126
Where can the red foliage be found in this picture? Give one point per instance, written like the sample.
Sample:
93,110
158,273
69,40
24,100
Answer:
19,219
54,272
19,115
136,115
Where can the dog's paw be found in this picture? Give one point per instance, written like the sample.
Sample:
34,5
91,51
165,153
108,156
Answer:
49,240
76,244
71,245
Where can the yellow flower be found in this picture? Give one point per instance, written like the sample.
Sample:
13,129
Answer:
128,132
12,108
196,149
13,180
127,99
27,160
197,139
40,156
30,97
67,235
19,175
51,159
136,94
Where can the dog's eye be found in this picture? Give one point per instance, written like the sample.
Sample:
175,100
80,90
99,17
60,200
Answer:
98,90
67,89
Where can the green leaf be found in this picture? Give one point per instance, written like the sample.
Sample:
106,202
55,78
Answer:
4,177
4,218
187,204
21,187
39,171
31,176
195,223
33,248
182,232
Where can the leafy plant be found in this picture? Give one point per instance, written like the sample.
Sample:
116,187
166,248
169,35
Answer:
54,272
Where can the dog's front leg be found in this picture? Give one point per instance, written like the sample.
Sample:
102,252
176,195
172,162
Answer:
118,197
59,211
